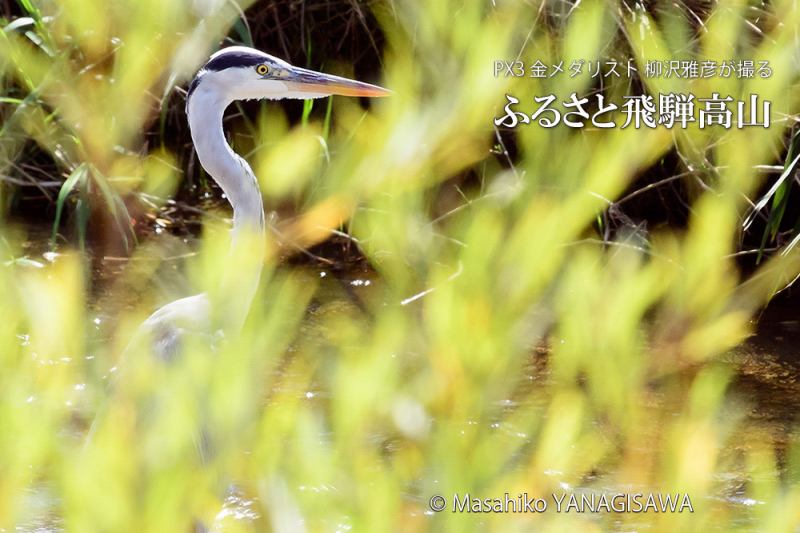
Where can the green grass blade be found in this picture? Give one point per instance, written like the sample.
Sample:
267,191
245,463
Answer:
30,8
78,175
770,194
780,202
308,105
326,124
243,32
116,207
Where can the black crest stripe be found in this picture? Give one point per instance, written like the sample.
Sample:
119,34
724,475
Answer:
234,59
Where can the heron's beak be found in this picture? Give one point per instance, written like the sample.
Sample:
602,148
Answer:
309,81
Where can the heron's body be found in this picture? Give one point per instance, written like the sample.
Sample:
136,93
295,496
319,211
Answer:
236,73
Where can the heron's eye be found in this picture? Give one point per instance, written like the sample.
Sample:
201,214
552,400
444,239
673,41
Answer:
262,69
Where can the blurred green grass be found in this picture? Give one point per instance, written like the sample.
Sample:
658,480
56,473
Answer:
537,356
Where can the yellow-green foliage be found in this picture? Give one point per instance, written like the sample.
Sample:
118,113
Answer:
333,417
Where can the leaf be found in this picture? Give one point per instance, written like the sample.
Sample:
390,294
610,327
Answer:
26,25
308,105
21,24
768,196
117,209
78,175
326,124
82,210
779,203
243,32
30,9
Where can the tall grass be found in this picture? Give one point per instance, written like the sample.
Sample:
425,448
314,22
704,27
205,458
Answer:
502,346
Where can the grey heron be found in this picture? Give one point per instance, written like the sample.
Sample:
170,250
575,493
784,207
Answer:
231,74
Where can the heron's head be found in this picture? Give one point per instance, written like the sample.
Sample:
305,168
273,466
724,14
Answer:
241,73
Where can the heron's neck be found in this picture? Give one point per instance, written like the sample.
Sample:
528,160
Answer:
231,172
234,176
